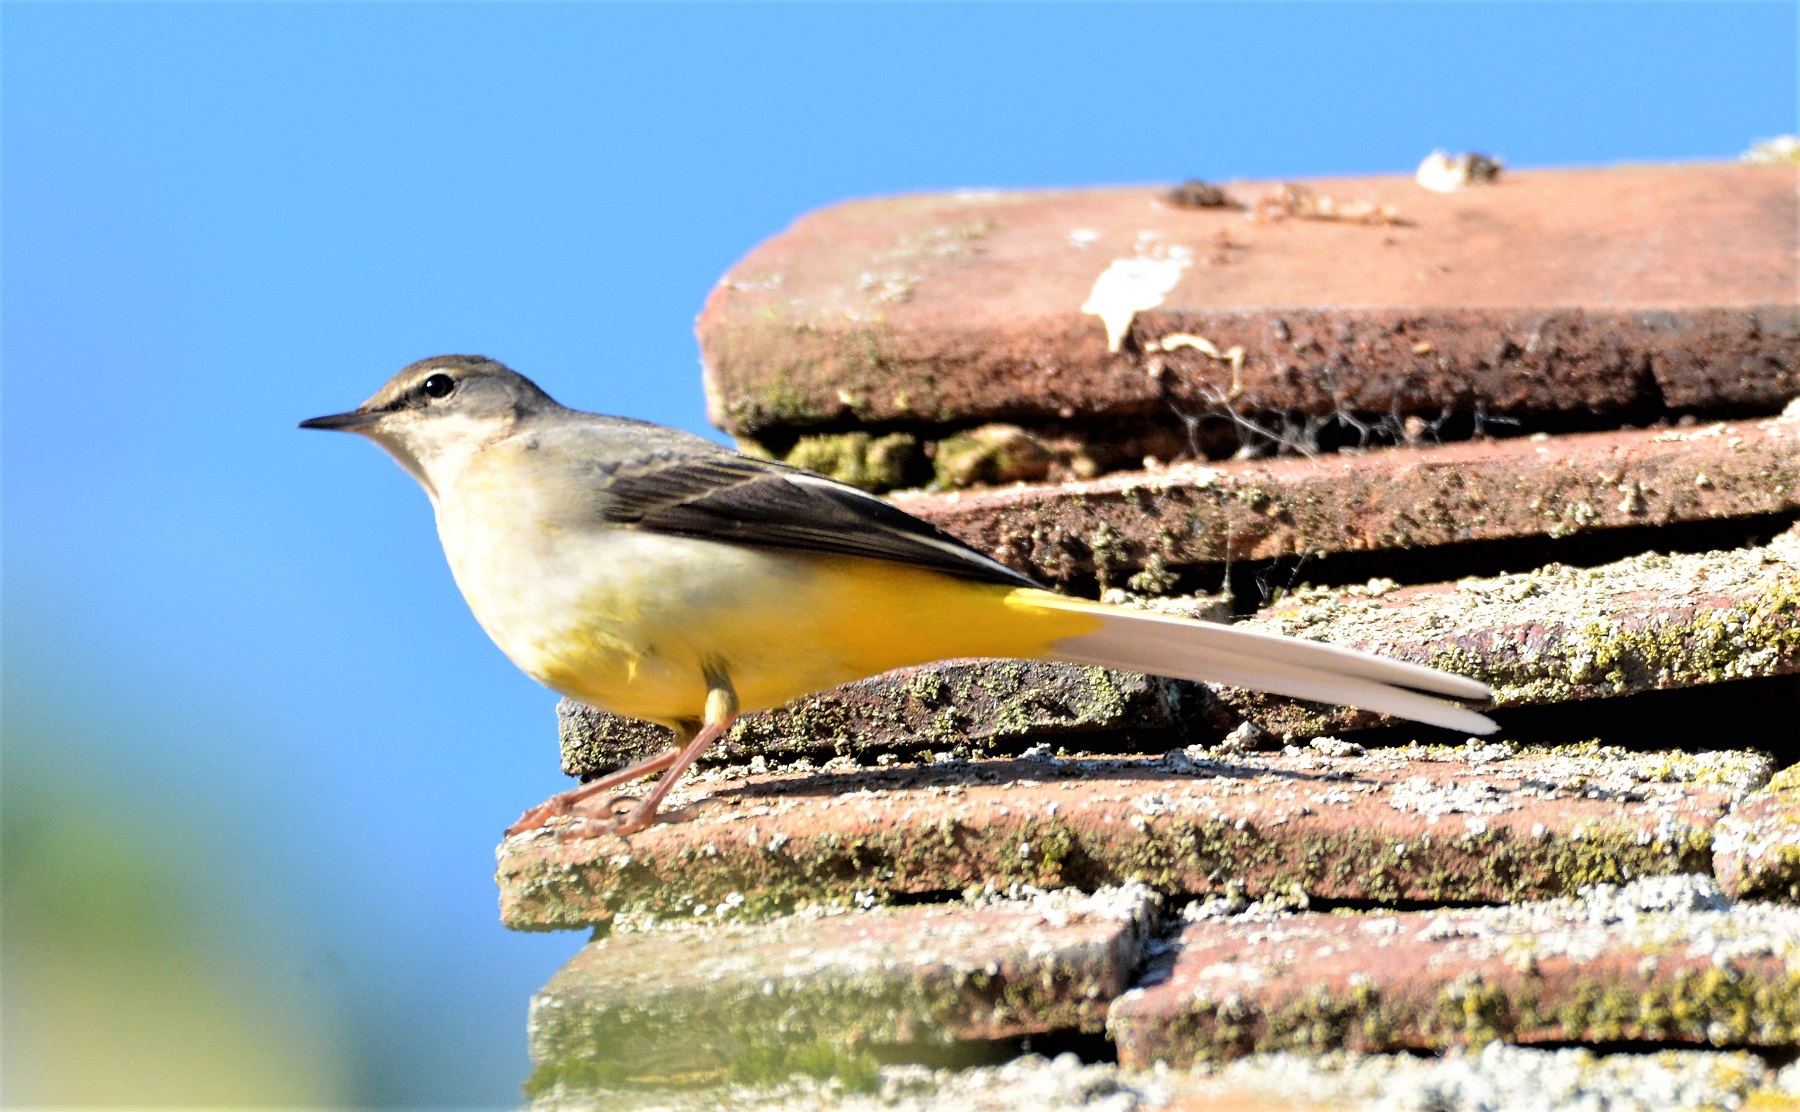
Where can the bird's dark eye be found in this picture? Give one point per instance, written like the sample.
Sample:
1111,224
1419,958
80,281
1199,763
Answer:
438,386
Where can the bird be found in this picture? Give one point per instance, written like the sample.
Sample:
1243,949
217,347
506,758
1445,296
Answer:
658,575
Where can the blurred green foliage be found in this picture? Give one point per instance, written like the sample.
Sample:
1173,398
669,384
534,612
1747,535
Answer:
128,977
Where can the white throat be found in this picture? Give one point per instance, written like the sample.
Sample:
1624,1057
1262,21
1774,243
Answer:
435,448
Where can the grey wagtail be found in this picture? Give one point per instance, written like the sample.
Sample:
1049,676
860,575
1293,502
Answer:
657,575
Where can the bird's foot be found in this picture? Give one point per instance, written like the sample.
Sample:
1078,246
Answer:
617,815
554,807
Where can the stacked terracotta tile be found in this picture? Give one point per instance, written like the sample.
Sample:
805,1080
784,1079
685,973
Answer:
1540,430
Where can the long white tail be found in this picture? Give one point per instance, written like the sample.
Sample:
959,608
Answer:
1210,652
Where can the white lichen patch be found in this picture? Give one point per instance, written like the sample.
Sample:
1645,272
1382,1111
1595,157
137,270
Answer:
1496,1077
1506,1077
1236,906
1780,150
1587,770
892,274
1336,747
1678,917
1683,917
1442,172
860,942
1434,799
1130,285
1756,848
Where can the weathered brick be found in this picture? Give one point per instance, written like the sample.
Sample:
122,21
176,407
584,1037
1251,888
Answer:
1664,960
1413,823
1756,849
1404,497
1576,292
1496,1076
969,706
1557,634
661,1003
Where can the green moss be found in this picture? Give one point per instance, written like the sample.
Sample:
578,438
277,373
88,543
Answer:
1773,876
1788,779
577,1075
961,461
776,404
1254,497
928,688
1155,578
874,463
773,382
1320,1019
1711,646
1470,1011
626,1026
768,1063
868,364
989,454
680,1059
1108,701
1614,857
1709,649
1111,553
1712,1005
1773,871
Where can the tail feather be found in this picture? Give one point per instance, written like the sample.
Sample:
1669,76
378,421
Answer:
1215,653
1334,658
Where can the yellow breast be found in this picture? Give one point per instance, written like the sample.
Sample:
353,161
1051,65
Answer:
633,622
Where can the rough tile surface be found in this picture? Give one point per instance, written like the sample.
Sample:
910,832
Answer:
1496,1077
1666,959
1558,634
668,1003
1756,851
1517,1079
1470,824
969,707
1552,292
1481,490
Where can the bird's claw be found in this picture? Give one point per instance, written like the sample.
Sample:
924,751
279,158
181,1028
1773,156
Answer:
539,816
618,815
607,808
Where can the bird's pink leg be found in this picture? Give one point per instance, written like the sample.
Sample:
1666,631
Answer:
564,803
721,712
645,812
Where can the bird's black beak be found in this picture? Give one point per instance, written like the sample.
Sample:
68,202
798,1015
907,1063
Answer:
354,421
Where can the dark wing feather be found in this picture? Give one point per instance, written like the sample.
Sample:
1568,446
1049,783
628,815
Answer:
733,498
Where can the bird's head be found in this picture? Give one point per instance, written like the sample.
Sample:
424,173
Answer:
435,414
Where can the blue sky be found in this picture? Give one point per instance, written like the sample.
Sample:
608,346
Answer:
219,219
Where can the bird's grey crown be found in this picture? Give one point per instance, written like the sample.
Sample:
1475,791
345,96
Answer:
483,387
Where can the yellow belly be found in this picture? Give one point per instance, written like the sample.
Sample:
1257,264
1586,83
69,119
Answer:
633,622
789,625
